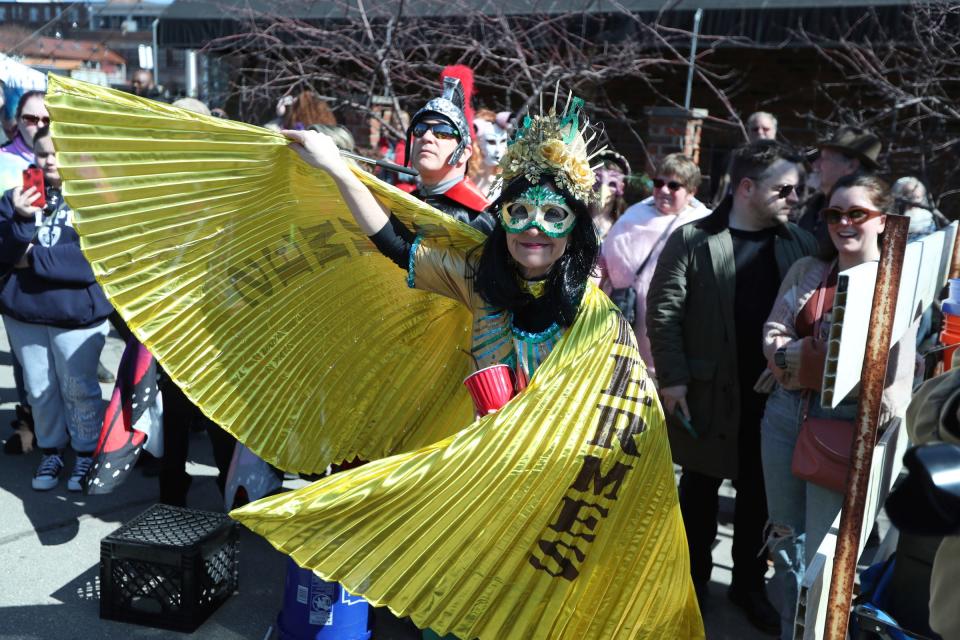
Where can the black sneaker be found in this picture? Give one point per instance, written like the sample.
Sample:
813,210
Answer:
80,469
48,472
757,608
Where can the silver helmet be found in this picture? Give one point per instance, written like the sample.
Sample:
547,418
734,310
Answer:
448,106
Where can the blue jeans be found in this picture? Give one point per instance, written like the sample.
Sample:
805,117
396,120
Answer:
800,512
60,375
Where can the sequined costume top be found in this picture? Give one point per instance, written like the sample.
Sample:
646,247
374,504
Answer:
521,340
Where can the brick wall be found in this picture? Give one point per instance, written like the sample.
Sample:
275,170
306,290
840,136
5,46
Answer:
672,130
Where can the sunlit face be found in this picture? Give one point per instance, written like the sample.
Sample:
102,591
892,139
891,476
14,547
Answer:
832,165
537,223
855,240
431,152
492,141
33,117
47,160
670,195
762,128
774,195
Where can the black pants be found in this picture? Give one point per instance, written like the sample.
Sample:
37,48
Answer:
178,416
700,504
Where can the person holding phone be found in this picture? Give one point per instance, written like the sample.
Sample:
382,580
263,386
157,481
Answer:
712,290
31,117
55,315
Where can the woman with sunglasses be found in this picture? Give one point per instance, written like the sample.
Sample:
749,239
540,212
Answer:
31,116
630,252
795,336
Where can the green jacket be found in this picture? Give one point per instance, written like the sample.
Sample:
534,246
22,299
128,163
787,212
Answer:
690,322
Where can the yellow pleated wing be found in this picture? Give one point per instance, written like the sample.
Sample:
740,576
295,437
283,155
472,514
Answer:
242,271
557,517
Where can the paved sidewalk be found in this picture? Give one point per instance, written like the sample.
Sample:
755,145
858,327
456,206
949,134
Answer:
50,553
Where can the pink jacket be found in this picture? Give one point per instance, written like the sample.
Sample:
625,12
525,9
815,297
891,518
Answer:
631,239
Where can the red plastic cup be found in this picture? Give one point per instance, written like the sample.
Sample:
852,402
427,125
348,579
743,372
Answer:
490,388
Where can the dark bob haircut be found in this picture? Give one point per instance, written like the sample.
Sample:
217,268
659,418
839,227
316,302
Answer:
496,273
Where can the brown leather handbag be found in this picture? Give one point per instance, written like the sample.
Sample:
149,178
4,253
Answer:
822,452
824,445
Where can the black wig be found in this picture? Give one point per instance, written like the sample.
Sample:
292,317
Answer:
496,275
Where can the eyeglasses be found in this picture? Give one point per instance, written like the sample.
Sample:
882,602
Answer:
784,190
855,215
35,120
441,130
673,185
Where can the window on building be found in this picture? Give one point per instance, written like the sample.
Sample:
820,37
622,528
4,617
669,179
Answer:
34,14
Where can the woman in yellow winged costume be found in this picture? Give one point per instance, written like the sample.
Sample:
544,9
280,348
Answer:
554,517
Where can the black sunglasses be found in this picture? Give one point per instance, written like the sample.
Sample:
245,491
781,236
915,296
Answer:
784,191
673,185
36,120
441,130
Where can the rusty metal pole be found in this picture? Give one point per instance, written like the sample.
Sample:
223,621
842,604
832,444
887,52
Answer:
872,381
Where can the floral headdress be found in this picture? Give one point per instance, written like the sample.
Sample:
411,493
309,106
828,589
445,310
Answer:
554,144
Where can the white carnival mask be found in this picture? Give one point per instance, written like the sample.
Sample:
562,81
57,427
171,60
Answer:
492,140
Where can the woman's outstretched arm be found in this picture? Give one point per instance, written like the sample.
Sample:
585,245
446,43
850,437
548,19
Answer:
319,151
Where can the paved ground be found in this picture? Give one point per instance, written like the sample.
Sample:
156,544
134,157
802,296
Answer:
50,551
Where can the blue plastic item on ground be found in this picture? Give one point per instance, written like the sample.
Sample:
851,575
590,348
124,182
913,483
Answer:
314,609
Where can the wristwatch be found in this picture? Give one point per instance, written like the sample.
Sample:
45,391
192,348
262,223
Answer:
780,358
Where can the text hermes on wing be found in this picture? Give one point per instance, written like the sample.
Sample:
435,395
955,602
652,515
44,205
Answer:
591,496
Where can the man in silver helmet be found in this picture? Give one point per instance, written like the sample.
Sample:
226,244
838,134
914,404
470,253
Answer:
439,146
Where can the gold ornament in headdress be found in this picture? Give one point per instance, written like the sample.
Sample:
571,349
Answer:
554,144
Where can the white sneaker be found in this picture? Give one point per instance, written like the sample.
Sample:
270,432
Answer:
48,473
80,468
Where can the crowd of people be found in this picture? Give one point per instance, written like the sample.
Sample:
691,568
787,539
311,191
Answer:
730,302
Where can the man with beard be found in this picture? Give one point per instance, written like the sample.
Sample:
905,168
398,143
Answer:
713,288
439,146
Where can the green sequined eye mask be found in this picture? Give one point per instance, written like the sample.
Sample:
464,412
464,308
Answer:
541,208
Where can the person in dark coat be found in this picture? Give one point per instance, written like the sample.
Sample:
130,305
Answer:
56,317
714,285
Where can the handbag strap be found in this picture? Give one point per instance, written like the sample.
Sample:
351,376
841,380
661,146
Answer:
821,293
655,245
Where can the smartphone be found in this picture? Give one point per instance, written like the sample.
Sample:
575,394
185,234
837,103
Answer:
33,177
682,419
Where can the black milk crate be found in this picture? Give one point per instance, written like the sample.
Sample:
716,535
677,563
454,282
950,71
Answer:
169,567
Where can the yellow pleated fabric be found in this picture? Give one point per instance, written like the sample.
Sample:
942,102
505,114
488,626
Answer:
243,272
557,517
240,268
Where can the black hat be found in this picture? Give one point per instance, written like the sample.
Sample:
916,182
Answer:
857,142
